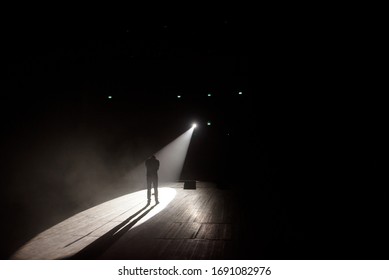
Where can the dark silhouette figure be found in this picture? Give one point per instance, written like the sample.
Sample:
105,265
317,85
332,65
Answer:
152,166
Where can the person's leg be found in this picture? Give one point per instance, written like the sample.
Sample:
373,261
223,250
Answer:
155,183
148,188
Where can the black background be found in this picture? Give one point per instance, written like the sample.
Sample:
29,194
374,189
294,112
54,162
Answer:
303,140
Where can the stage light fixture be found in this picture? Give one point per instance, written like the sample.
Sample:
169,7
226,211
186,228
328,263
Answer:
194,125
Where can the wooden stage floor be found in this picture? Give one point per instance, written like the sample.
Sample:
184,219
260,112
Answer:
196,223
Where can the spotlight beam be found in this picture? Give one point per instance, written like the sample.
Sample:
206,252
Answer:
172,157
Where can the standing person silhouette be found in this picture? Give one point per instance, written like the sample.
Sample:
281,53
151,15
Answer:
152,166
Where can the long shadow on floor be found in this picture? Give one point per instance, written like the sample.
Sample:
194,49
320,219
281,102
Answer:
101,244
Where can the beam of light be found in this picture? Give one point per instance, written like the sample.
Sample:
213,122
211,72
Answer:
172,157
74,234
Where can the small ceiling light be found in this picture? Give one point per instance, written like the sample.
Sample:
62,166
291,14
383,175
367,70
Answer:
178,96
240,93
208,123
209,94
109,96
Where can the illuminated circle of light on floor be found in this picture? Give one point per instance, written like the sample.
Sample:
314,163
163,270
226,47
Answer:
72,235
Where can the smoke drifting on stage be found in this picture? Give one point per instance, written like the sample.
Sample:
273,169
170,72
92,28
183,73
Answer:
171,157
